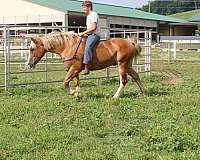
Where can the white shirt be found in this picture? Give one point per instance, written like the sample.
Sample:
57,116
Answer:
91,18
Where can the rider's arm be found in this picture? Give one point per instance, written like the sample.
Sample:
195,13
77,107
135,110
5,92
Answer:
91,29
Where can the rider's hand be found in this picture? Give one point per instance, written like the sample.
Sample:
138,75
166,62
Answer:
81,34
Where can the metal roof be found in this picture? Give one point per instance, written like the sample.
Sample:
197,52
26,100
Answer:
183,24
105,9
195,18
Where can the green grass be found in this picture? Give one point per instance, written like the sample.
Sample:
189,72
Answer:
185,15
180,55
42,122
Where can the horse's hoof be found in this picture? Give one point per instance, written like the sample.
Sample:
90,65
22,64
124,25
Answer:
146,94
70,94
116,96
77,94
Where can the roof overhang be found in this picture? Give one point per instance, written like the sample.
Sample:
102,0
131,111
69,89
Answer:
184,25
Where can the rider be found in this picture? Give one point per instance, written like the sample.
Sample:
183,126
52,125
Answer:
93,32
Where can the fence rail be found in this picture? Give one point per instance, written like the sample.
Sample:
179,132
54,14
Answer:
173,44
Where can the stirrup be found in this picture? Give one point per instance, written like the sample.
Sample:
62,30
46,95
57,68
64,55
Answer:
85,72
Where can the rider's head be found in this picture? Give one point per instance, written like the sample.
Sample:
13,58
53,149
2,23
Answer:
87,6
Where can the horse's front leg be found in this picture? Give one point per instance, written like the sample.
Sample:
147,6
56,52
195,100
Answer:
76,92
77,85
72,73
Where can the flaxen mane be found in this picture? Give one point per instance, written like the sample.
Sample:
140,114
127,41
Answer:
55,39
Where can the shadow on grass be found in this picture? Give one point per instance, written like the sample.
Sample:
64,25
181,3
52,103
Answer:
157,92
36,90
97,95
93,83
131,95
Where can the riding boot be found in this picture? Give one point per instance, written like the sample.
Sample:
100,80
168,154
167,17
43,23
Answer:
86,71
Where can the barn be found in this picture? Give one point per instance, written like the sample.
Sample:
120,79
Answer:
68,13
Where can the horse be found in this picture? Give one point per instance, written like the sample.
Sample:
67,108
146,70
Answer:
70,47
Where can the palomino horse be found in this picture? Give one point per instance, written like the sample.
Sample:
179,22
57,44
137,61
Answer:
70,48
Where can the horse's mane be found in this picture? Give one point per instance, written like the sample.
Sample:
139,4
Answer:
55,39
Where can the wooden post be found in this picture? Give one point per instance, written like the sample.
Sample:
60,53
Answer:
169,53
174,51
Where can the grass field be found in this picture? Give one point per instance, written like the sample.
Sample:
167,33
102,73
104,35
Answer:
42,122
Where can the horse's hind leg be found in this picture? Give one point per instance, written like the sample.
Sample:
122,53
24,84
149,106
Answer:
136,78
123,80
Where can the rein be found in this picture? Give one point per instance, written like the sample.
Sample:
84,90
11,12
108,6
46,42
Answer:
73,55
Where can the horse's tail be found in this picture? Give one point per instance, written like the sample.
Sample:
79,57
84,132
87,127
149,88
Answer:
137,46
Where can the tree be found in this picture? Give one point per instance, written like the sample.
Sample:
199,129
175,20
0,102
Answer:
168,7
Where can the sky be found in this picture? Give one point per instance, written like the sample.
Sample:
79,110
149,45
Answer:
128,3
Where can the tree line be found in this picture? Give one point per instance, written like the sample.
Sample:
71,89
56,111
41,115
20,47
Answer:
167,7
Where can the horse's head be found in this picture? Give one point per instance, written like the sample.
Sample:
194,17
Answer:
36,52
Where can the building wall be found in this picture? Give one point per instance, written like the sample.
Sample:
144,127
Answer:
167,30
32,19
103,20
131,21
164,30
26,13
180,31
11,8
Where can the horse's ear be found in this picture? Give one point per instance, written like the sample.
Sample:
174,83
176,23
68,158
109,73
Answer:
37,40
134,38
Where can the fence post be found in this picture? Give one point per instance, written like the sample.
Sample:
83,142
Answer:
146,39
11,47
149,53
108,73
136,61
174,51
124,34
108,68
6,57
22,47
46,73
169,52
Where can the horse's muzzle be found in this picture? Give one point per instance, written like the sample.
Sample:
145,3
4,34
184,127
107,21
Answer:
31,65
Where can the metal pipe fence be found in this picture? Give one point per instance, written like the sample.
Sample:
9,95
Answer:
14,51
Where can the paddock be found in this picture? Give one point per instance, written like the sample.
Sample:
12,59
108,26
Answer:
42,122
39,121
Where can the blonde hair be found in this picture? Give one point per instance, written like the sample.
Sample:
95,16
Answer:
54,39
